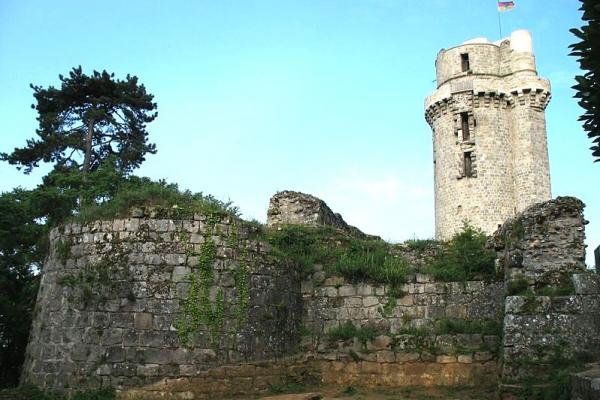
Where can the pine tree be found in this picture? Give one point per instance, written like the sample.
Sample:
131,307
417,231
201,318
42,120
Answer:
87,120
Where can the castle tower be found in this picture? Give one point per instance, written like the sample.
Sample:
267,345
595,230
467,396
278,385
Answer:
489,133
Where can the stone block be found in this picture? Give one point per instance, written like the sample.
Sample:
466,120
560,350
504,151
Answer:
385,356
114,354
142,321
465,359
147,369
586,385
347,290
369,301
445,359
381,342
334,281
586,283
403,357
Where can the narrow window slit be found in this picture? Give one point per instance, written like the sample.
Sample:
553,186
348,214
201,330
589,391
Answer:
468,165
464,62
464,126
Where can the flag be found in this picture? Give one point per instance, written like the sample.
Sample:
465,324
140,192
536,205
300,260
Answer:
505,5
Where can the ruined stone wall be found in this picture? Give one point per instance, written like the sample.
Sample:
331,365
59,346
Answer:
333,302
295,208
504,102
407,350
177,307
552,308
124,303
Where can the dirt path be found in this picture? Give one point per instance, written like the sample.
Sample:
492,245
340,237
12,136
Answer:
408,393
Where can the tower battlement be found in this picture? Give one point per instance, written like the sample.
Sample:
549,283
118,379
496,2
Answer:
489,133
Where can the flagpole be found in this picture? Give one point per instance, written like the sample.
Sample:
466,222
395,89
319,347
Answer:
499,20
499,23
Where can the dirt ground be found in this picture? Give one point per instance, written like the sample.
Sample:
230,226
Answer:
407,393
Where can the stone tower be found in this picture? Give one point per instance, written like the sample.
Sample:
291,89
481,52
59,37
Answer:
489,133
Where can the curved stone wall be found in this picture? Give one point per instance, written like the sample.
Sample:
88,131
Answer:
126,302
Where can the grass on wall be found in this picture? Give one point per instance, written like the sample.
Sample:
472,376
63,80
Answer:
159,195
355,259
464,257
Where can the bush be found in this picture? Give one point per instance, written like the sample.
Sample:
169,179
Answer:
447,326
355,259
348,331
143,192
517,286
420,244
464,257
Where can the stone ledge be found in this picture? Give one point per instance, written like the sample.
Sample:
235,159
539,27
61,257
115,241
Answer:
586,385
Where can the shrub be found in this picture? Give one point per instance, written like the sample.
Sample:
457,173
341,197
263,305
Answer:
143,192
517,286
464,257
420,244
348,331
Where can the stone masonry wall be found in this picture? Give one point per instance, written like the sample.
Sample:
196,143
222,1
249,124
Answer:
124,303
502,101
176,307
552,308
407,351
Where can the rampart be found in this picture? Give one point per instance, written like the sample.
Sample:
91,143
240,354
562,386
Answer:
201,306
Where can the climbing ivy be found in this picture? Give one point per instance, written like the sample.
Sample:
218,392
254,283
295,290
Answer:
197,310
241,278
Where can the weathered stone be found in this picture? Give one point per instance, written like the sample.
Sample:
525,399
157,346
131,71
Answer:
290,207
142,320
481,104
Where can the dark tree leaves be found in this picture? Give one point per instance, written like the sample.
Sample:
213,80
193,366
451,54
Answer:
588,85
22,250
87,120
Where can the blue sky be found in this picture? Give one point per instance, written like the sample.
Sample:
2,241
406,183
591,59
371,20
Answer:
324,97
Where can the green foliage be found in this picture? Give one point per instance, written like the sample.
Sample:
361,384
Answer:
143,192
564,289
22,251
556,384
197,310
464,257
517,286
587,88
349,391
420,244
305,245
242,286
348,331
87,120
288,385
62,251
356,259
389,306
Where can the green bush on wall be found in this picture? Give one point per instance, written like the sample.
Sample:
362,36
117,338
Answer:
464,257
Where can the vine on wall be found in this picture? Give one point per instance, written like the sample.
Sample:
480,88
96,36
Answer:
197,310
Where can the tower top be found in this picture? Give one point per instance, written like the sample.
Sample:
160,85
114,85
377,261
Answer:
479,56
489,133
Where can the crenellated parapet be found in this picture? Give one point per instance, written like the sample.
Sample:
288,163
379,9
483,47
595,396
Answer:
489,133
